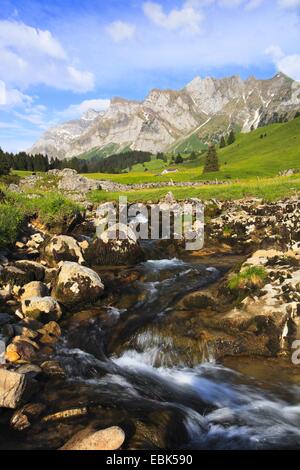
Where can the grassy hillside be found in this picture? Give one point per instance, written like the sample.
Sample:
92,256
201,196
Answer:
192,143
250,156
103,152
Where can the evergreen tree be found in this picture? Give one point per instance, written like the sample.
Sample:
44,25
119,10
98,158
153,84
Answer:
5,163
231,138
252,128
178,159
222,142
211,160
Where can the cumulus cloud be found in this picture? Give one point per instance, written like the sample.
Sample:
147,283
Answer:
76,110
188,18
31,56
120,31
22,37
287,64
12,97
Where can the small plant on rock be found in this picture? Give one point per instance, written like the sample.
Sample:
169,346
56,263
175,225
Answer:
252,277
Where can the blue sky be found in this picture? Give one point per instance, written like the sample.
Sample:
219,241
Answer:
58,58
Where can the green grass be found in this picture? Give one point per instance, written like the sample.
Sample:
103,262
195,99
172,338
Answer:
192,143
100,153
11,218
248,157
251,277
51,208
269,189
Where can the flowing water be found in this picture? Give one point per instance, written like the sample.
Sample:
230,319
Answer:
124,368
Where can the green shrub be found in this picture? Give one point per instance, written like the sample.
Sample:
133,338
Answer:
10,221
251,277
10,179
54,209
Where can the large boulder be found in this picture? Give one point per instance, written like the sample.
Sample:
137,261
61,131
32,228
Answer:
89,439
37,270
15,276
14,388
110,250
62,248
71,181
43,309
76,284
34,289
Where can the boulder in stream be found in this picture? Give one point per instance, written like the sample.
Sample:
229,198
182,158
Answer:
76,284
116,246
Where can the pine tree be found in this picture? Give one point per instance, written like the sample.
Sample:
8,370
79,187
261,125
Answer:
179,159
222,142
211,160
4,163
231,138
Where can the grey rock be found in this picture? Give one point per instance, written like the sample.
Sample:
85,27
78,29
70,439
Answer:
14,388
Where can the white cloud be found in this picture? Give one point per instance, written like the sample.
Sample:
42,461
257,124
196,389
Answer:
188,18
30,56
22,37
120,31
289,3
12,97
287,64
76,110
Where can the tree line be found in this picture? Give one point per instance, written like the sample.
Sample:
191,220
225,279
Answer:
40,163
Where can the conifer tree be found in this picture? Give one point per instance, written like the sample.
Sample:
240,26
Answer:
211,160
222,142
231,138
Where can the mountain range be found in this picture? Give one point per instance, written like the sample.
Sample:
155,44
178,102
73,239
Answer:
175,120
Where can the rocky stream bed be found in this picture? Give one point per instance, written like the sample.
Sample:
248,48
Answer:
156,349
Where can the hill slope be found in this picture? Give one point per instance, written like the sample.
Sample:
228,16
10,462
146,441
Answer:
252,155
248,157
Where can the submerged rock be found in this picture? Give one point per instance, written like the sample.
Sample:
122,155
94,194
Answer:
89,439
76,284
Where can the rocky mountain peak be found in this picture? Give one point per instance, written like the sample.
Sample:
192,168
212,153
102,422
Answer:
90,115
204,109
